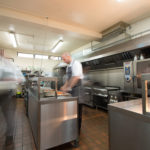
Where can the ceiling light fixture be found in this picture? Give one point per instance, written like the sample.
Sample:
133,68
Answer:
58,45
120,0
13,38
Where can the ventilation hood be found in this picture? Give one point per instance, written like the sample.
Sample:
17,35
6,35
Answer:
117,55
136,43
114,30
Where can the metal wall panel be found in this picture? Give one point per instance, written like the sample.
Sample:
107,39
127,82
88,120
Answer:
116,78
108,77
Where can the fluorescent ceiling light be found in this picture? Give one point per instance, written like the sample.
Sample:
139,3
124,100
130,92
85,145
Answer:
55,58
57,46
13,39
87,51
25,55
41,56
120,0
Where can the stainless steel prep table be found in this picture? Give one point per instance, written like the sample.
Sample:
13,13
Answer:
129,129
53,119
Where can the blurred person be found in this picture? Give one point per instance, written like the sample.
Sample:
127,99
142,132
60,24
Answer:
10,76
8,107
86,80
74,76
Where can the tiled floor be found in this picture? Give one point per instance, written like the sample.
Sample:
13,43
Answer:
94,132
23,139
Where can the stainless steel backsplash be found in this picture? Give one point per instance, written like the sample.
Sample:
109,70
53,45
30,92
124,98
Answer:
108,77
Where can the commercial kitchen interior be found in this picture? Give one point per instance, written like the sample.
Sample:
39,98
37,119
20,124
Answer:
111,39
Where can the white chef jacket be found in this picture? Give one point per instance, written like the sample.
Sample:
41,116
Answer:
76,68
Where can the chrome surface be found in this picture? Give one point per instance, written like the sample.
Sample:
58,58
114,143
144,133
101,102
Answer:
128,127
47,79
58,124
53,119
128,76
100,89
141,66
33,112
122,47
88,97
88,88
105,95
107,77
145,101
137,69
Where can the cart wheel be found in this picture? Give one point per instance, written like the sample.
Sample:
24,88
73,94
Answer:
75,143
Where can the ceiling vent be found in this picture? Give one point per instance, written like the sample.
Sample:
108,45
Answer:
114,30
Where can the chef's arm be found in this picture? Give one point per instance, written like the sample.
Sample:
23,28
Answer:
65,85
73,81
69,84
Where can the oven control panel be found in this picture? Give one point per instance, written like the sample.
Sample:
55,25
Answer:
113,99
128,76
115,96
127,71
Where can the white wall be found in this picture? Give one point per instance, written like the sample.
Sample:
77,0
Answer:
29,63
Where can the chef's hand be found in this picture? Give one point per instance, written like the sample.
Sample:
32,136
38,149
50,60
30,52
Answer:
65,89
62,88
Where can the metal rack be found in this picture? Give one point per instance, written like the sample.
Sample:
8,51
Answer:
47,79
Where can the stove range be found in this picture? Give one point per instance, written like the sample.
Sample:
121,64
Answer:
102,96
98,96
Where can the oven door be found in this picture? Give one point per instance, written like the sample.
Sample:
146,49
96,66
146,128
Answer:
138,70
88,100
100,101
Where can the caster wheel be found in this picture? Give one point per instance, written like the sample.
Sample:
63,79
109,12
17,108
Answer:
75,143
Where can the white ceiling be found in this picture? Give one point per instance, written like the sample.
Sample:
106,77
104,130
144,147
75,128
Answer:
38,24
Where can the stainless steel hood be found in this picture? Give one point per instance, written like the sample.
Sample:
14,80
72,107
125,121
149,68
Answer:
111,61
129,45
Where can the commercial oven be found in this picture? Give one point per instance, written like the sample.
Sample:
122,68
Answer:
132,75
102,96
88,96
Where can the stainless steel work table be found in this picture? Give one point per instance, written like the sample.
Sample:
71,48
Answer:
47,100
129,129
53,120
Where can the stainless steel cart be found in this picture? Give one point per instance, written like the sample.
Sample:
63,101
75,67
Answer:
53,119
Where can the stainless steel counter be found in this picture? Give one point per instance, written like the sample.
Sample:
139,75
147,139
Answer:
128,127
57,100
53,120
